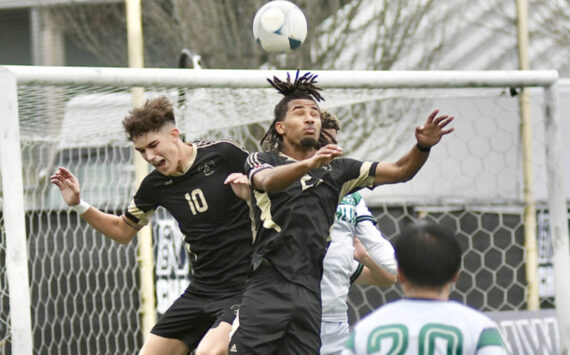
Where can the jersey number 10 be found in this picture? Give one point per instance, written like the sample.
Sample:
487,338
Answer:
196,201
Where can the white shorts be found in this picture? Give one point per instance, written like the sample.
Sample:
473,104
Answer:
333,337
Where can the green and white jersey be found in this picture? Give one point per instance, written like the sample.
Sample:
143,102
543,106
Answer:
352,218
426,327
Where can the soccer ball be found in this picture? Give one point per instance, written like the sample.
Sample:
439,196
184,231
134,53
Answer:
279,26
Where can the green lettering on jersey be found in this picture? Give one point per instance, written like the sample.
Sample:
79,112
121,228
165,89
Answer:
451,335
346,214
398,333
490,336
351,200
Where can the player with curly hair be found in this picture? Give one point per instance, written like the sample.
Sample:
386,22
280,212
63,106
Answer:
188,181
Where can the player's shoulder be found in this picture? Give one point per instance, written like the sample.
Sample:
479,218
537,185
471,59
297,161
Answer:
260,158
219,144
350,164
153,180
344,161
472,316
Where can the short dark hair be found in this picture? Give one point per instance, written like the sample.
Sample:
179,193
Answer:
428,255
150,117
303,87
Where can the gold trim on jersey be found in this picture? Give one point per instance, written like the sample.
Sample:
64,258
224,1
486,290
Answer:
252,220
190,161
143,217
363,180
203,144
253,160
264,204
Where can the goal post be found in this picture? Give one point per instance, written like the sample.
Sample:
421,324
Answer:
54,101
14,225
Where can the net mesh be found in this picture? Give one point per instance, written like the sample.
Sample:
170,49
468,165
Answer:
85,288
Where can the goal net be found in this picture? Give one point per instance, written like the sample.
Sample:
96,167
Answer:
84,288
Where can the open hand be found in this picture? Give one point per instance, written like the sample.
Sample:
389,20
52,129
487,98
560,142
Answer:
240,185
325,155
431,132
68,186
360,252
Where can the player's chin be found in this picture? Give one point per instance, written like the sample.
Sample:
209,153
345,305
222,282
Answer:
309,142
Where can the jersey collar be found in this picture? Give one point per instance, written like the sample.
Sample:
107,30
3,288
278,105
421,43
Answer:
190,161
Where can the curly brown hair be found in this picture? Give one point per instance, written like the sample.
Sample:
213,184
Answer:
150,117
328,121
302,87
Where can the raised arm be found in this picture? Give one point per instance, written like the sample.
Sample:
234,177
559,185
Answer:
282,176
115,227
407,166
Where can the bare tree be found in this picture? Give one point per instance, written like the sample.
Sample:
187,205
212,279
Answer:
220,31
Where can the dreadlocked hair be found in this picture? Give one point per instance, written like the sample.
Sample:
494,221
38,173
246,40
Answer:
328,121
303,87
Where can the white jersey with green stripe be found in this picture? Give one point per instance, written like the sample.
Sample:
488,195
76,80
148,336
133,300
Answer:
352,218
430,327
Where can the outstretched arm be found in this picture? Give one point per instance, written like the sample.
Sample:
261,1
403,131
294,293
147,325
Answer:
282,176
112,226
407,166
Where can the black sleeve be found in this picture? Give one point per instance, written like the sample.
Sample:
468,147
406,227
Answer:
255,163
142,205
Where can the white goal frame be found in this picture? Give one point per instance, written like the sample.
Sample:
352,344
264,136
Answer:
12,183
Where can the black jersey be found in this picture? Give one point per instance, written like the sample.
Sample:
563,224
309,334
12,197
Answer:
214,221
292,225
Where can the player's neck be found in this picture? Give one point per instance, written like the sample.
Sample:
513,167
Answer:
297,152
186,151
440,294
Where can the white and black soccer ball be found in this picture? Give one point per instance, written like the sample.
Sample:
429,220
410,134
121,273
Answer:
279,26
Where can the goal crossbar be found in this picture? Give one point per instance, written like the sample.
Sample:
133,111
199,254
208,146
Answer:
227,78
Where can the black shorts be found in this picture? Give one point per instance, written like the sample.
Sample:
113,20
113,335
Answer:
192,315
277,316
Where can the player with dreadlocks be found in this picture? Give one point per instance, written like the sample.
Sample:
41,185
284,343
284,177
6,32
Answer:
296,188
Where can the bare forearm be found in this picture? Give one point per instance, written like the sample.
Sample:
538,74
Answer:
280,177
374,274
403,169
110,225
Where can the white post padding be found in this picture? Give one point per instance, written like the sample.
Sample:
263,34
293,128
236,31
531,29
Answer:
558,213
14,216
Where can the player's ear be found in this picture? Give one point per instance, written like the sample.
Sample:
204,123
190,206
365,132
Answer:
175,133
401,277
455,277
279,127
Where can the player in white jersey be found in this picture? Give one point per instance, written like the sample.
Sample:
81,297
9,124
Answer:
426,321
376,255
